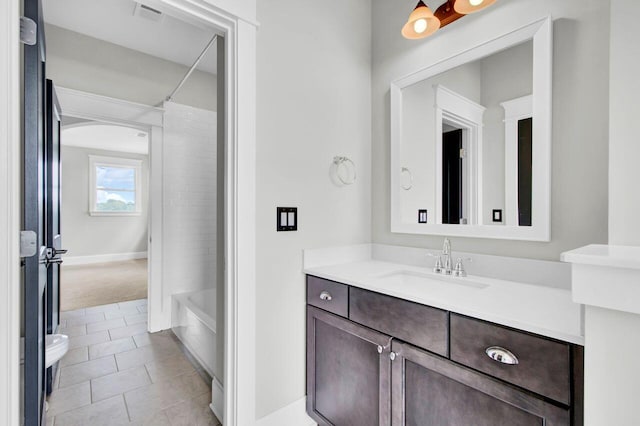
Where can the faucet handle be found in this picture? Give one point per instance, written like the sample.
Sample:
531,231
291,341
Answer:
437,268
459,270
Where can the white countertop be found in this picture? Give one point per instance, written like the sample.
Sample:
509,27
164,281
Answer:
537,309
606,276
605,255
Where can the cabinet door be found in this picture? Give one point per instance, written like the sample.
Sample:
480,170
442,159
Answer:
348,372
432,391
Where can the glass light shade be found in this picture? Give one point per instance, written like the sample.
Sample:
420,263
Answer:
415,27
470,6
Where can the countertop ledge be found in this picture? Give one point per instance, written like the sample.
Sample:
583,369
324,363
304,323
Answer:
605,255
536,309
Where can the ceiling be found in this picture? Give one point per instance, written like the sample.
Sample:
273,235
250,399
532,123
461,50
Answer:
107,137
114,21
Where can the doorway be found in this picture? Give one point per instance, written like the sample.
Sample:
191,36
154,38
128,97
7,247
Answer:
172,99
238,23
452,177
105,213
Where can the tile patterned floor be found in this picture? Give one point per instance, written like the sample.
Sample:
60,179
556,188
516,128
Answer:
116,373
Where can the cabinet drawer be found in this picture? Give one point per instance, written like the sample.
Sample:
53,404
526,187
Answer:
328,295
543,366
420,325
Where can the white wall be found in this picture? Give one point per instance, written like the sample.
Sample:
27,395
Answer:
85,235
314,83
580,113
418,152
612,343
505,76
189,200
624,109
611,387
79,62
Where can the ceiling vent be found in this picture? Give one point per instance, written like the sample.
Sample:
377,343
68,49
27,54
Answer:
147,12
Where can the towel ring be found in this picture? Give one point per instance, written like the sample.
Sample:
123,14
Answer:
408,186
347,164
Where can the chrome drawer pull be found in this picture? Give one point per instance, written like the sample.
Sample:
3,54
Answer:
325,295
501,355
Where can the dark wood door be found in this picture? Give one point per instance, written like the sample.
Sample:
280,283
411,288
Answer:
431,391
348,372
34,219
52,205
451,177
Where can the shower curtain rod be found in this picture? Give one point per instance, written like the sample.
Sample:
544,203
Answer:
193,67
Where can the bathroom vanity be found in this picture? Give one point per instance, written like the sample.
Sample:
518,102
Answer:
393,344
391,339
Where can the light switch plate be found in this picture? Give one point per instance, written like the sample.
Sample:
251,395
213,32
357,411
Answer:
422,216
287,219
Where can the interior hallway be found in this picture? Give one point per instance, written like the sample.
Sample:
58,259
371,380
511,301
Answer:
96,284
116,373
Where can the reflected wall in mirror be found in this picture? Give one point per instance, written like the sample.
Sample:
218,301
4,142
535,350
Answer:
453,128
471,141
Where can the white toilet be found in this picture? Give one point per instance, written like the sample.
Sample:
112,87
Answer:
56,346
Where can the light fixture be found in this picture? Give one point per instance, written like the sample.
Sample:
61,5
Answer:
470,6
421,23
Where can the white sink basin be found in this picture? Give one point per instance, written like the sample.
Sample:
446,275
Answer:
425,279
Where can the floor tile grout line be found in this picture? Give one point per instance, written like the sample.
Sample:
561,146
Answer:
75,408
126,407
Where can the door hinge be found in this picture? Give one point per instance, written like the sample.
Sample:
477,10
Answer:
28,243
28,31
463,153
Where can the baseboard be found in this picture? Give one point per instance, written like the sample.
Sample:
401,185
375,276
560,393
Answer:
294,414
217,399
103,258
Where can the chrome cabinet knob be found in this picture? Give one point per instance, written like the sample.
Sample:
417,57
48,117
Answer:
326,296
392,356
501,355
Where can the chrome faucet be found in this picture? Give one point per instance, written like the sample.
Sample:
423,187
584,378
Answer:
446,252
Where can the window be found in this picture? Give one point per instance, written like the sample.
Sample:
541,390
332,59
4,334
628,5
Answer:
115,186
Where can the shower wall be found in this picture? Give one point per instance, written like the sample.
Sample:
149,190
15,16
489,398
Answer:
189,200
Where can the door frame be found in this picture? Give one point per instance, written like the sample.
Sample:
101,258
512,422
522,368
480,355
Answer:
10,184
236,20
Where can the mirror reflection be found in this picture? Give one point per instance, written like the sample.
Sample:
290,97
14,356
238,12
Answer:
466,143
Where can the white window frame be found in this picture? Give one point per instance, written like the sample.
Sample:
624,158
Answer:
97,161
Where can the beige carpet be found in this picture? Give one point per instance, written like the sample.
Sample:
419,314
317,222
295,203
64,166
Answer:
82,286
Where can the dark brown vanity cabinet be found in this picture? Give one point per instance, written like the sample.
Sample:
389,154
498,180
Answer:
373,359
428,390
349,370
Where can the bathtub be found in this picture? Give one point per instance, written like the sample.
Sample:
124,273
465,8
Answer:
193,320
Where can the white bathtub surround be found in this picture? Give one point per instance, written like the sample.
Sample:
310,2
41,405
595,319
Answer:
606,279
543,307
193,321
